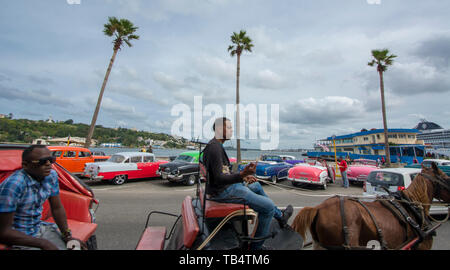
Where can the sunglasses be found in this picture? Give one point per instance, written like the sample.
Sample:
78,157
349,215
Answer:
43,161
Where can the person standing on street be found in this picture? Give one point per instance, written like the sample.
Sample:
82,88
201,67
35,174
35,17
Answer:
343,168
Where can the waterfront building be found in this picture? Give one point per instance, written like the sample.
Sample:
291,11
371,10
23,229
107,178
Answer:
403,143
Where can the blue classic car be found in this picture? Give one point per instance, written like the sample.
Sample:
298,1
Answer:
271,167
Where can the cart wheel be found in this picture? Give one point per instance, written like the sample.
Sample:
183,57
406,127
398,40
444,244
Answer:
92,243
119,179
191,180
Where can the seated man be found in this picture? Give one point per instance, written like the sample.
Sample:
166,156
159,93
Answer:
239,187
22,196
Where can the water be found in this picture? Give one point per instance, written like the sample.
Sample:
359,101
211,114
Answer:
246,155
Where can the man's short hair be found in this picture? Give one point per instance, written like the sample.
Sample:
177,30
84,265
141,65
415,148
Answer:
220,121
27,152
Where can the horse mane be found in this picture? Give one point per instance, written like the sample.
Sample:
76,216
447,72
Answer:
419,191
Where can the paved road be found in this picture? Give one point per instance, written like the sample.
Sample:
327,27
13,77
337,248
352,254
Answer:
123,210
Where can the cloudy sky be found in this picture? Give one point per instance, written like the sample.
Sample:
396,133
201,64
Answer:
309,57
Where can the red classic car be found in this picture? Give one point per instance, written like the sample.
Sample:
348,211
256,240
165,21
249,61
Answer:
124,166
77,198
360,169
311,174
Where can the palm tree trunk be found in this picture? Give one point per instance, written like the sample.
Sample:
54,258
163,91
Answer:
383,109
238,122
99,101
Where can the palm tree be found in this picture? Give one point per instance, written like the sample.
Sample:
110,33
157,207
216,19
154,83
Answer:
241,42
382,60
123,31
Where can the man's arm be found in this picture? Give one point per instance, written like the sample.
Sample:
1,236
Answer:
58,213
9,236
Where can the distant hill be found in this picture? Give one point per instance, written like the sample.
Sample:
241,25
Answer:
25,131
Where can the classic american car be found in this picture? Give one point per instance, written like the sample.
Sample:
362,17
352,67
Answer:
395,179
358,171
291,159
311,174
78,199
183,169
74,158
124,166
270,167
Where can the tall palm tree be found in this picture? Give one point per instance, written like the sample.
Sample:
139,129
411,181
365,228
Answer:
241,42
382,60
123,31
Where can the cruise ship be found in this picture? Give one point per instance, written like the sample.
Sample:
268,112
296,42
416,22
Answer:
435,137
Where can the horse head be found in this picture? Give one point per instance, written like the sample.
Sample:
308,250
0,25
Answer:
440,181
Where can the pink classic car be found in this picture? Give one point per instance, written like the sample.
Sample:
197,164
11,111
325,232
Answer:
311,174
360,169
123,166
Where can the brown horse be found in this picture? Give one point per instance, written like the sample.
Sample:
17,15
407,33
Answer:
326,226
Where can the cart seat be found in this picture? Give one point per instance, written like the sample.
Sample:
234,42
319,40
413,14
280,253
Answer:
215,209
153,238
80,230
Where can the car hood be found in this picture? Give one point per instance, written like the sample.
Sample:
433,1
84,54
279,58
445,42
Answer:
176,164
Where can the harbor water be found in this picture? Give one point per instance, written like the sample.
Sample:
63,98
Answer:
165,153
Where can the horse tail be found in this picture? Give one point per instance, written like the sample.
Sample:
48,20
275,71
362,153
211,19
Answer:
303,220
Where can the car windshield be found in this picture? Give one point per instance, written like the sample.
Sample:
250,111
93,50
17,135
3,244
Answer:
116,158
184,158
271,158
385,178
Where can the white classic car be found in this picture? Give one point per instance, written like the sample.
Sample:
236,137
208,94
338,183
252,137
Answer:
394,179
123,166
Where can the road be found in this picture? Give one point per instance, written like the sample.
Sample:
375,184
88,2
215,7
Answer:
123,210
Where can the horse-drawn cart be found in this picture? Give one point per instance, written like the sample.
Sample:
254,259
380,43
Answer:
205,224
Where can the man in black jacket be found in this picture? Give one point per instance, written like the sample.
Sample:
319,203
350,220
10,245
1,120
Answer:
239,187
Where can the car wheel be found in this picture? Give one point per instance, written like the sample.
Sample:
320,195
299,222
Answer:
324,186
191,180
119,179
274,179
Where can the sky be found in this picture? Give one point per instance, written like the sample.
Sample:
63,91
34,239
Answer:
308,66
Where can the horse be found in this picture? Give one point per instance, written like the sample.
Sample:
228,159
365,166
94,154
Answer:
374,220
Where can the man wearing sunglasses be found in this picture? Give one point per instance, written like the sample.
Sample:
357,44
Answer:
22,196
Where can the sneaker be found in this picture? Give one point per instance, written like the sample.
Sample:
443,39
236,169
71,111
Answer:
285,215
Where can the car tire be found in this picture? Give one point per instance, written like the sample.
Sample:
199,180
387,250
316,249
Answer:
119,179
274,179
324,186
191,180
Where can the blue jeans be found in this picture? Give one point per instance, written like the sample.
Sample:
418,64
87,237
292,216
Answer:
254,196
345,179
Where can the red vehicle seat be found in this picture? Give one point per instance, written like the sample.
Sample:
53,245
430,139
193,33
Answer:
80,230
190,224
153,238
76,207
219,210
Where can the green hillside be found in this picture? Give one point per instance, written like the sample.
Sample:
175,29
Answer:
25,131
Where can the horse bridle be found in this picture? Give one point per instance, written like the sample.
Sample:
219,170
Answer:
441,183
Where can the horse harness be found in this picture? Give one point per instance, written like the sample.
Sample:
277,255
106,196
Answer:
400,210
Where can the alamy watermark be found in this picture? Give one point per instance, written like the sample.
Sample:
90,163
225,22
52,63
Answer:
256,122
73,2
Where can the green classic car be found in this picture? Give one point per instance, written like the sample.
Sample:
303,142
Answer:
183,169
